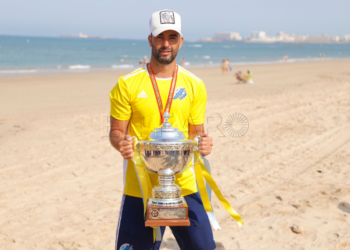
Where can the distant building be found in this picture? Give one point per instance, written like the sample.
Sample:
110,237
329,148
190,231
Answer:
299,39
282,34
258,34
227,36
207,39
81,35
345,38
260,37
334,38
318,39
281,37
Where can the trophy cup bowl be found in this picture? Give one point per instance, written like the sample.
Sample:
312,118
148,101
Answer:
166,153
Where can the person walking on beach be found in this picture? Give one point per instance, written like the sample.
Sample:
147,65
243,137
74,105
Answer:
135,111
146,60
140,62
228,66
225,67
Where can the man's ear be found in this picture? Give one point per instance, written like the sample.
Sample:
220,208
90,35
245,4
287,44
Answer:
181,41
150,40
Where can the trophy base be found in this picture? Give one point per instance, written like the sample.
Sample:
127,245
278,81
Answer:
167,216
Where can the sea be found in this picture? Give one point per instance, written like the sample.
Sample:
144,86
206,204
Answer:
33,55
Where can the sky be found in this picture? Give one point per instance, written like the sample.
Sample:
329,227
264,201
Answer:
200,18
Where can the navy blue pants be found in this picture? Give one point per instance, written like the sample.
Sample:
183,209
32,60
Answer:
132,233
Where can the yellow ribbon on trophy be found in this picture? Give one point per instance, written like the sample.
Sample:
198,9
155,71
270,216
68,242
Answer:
144,182
201,171
143,177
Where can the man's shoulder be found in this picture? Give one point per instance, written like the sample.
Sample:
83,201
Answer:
134,74
189,75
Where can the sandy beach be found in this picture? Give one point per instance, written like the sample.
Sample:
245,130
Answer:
288,176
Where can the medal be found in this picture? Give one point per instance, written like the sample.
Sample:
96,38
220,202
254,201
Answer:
157,94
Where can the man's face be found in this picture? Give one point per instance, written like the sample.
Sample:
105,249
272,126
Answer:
165,46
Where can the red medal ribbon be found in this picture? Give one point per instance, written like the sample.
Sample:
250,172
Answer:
157,94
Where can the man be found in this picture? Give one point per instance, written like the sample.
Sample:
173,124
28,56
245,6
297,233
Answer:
136,110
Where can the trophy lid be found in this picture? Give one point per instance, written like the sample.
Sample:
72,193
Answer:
167,132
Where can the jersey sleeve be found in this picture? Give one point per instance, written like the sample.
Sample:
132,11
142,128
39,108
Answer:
197,114
120,101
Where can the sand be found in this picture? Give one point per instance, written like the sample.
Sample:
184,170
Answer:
288,176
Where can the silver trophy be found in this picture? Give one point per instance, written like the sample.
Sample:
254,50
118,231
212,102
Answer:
166,152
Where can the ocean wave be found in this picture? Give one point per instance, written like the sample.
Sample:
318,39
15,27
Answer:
305,59
206,57
123,66
196,45
289,60
18,71
79,67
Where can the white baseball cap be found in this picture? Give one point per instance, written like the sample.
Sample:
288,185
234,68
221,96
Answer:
164,20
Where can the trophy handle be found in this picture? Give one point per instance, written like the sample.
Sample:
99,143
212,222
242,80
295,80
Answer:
196,139
137,142
137,147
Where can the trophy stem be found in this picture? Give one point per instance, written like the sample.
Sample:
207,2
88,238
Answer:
166,178
167,193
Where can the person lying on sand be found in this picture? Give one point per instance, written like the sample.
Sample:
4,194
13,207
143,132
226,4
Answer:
247,78
239,76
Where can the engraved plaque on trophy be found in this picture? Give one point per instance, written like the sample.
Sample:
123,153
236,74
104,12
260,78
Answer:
166,153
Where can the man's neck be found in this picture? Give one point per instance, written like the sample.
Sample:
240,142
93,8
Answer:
163,70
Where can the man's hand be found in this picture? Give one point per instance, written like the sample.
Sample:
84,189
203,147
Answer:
126,147
205,144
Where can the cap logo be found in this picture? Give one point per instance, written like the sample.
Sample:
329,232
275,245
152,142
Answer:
167,17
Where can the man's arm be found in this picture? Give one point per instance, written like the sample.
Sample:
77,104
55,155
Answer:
118,138
205,142
195,130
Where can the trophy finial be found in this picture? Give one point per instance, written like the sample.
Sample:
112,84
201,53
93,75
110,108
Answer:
166,116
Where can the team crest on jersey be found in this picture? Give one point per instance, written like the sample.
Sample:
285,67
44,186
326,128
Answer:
167,17
126,247
180,93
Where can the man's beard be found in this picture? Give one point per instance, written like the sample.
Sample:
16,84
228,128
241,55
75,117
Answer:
164,60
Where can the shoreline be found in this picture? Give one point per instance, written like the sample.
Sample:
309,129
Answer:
128,67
